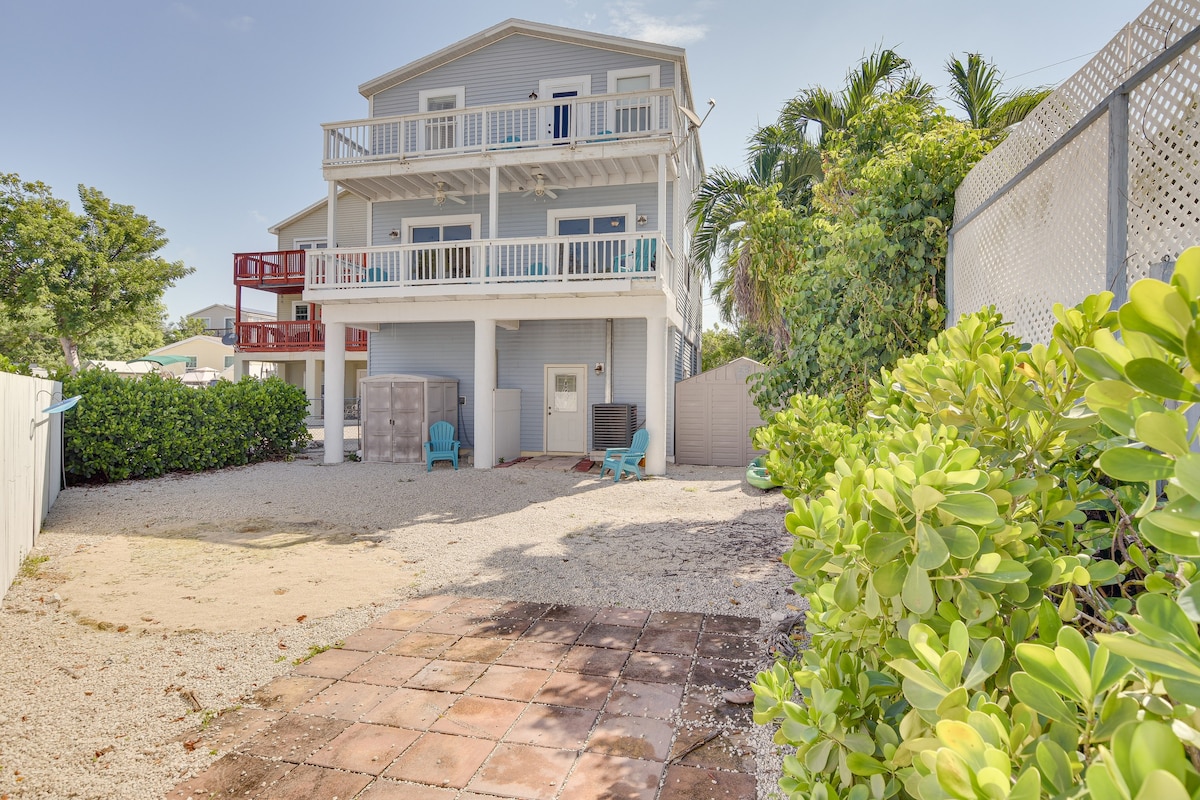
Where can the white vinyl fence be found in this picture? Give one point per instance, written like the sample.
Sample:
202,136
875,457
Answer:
1098,187
30,465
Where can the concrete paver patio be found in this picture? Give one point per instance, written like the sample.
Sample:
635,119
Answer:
452,698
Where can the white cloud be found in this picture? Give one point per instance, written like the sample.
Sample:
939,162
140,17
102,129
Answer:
628,19
186,11
258,217
241,24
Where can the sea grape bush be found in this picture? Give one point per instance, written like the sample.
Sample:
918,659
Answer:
1001,598
153,425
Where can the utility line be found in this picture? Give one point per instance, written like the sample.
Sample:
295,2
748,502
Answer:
1048,66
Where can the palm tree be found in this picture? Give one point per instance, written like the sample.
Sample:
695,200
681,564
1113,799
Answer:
784,156
976,88
882,72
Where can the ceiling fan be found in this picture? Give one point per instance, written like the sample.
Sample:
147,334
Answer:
441,194
543,189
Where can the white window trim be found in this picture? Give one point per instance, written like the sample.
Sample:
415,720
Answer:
473,220
296,303
553,215
653,70
311,241
460,100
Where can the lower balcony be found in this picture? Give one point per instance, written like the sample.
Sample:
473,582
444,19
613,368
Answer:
473,266
291,337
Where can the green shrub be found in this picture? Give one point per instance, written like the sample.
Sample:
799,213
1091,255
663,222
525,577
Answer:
974,557
148,427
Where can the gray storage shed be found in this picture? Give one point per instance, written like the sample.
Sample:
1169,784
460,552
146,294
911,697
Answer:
714,414
397,411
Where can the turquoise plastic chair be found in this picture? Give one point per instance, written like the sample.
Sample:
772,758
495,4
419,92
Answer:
643,257
644,254
442,446
625,459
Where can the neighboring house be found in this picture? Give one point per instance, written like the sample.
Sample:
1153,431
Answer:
200,352
219,319
511,214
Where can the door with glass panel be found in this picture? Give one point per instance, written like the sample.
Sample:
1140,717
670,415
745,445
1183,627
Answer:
633,114
566,408
442,262
591,255
441,132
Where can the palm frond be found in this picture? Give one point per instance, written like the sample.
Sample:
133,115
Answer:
1018,105
975,88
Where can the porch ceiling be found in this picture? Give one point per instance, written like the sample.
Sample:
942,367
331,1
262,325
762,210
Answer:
417,180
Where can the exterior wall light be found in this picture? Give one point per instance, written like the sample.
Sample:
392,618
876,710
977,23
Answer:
393,234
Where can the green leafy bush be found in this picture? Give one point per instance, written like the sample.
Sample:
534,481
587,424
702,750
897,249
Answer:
148,427
1001,602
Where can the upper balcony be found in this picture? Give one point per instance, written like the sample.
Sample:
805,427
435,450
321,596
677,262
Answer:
272,271
625,129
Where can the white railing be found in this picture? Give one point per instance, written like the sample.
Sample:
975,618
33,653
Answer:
29,470
511,126
544,259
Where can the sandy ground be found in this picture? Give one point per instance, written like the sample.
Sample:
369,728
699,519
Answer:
212,584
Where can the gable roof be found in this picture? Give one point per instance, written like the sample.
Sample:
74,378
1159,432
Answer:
304,212
510,27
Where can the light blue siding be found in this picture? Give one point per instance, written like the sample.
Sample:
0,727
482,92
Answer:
525,216
508,70
447,348
434,348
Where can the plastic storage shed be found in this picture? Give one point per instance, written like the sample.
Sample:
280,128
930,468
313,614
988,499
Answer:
397,411
714,414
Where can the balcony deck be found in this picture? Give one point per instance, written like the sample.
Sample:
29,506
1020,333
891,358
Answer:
292,337
270,271
534,265
508,127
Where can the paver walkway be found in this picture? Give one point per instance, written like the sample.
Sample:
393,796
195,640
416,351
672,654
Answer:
452,698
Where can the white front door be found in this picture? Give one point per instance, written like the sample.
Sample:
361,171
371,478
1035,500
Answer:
566,408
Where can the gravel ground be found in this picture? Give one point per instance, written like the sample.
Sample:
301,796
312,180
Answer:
92,705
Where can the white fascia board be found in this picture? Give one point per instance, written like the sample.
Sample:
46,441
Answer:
518,26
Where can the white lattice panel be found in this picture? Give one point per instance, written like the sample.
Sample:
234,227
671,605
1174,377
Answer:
1164,165
1045,241
1051,225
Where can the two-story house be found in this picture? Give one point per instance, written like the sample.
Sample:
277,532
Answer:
219,318
512,213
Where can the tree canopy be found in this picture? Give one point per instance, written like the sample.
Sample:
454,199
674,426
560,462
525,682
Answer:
84,275
832,243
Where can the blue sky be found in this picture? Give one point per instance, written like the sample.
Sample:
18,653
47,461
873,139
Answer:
205,115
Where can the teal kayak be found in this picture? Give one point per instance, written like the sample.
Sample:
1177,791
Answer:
757,475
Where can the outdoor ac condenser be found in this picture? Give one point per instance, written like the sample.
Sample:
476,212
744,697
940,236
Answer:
613,425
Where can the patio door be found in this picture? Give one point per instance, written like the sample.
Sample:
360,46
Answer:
566,408
558,121
440,261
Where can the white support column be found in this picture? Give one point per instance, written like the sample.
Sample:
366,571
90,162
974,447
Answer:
335,391
493,200
331,231
656,397
662,215
239,367
485,382
312,389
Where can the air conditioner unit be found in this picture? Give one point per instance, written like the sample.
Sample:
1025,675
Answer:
613,425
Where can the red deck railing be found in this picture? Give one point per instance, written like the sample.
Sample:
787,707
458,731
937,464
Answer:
292,337
276,268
